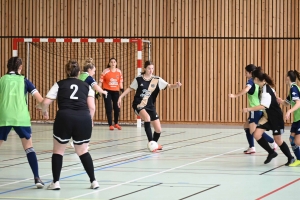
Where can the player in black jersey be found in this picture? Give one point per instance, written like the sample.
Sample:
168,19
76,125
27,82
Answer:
147,88
76,108
272,118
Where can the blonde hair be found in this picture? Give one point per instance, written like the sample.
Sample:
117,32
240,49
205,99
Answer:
88,64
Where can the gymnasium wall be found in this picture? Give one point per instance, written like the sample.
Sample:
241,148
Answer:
205,44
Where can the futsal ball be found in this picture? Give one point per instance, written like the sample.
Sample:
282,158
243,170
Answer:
152,146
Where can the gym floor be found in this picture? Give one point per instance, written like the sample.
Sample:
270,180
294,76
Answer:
197,162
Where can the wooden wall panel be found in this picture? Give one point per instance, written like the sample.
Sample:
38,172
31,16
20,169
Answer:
205,44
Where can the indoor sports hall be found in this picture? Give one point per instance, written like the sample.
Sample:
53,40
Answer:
199,51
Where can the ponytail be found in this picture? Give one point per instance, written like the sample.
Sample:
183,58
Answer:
258,73
88,64
293,75
269,80
13,64
72,68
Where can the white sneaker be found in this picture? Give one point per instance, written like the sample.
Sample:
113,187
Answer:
274,145
94,185
250,150
54,186
38,182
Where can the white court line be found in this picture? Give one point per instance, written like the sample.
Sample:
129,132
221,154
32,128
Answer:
171,169
71,169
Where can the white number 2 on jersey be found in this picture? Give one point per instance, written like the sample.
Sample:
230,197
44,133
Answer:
75,87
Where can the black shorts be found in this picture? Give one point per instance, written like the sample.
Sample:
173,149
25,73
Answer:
152,112
72,124
267,126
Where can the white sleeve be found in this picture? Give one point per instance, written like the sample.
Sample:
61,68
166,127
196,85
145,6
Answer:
162,84
134,85
52,94
265,100
91,92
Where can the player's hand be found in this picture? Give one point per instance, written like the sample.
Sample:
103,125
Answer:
105,93
46,115
178,84
97,95
39,107
245,110
119,102
232,95
287,115
279,100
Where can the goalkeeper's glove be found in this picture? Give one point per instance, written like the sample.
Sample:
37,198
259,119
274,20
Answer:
122,90
97,95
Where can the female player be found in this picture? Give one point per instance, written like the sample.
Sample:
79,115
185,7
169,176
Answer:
272,118
250,125
293,99
87,76
14,111
147,88
89,70
73,120
111,80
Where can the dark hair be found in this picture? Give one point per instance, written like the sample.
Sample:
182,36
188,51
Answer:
293,75
147,63
250,68
13,64
108,66
88,64
258,73
72,68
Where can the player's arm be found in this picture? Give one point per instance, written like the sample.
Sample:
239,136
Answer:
133,86
91,102
91,105
295,96
283,102
162,84
99,89
240,93
255,108
125,93
265,102
44,106
38,97
295,107
176,85
33,91
101,80
89,80
50,97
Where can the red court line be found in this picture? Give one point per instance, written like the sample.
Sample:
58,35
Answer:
268,194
